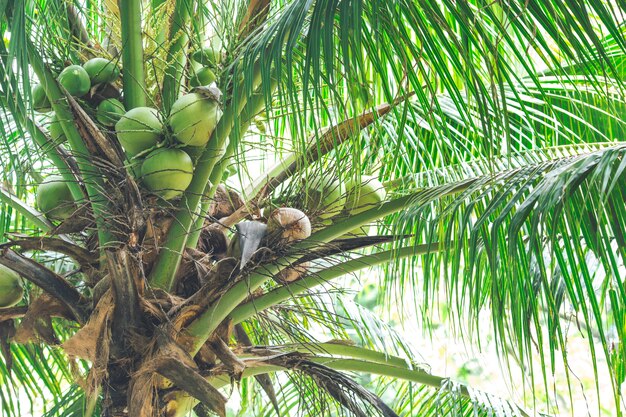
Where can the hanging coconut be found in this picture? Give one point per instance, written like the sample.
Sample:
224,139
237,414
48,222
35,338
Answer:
54,198
364,195
208,56
284,226
139,129
167,172
110,111
193,118
40,100
361,196
11,290
214,242
324,197
101,70
56,131
288,224
204,76
75,80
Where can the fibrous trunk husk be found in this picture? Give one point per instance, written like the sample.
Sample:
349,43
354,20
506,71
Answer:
225,202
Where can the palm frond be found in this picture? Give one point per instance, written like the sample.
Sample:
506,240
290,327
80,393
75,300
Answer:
528,244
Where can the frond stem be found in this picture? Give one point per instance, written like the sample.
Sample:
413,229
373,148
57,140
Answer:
134,78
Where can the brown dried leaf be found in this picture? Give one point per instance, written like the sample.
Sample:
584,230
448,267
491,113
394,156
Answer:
36,326
157,227
84,344
143,395
96,142
7,331
224,202
235,365
174,363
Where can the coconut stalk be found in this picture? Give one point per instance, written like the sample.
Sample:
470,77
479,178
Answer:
177,53
254,107
134,78
164,270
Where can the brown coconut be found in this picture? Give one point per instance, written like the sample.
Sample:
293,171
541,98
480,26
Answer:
285,226
224,203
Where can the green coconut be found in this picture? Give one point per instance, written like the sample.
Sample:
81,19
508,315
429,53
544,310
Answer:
110,111
361,196
101,70
288,225
193,118
56,130
324,197
54,198
204,76
364,195
40,100
139,129
75,80
207,56
167,172
260,126
11,290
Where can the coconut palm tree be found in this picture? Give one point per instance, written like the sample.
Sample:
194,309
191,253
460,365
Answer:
183,233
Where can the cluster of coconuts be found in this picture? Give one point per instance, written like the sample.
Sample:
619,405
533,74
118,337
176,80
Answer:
329,199
93,81
165,168
203,65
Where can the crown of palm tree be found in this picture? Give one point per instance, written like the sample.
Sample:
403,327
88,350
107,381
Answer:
495,129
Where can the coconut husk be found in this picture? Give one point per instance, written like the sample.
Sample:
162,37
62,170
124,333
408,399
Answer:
101,92
225,202
213,242
36,325
158,303
157,227
225,270
195,264
92,342
292,274
288,224
85,343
